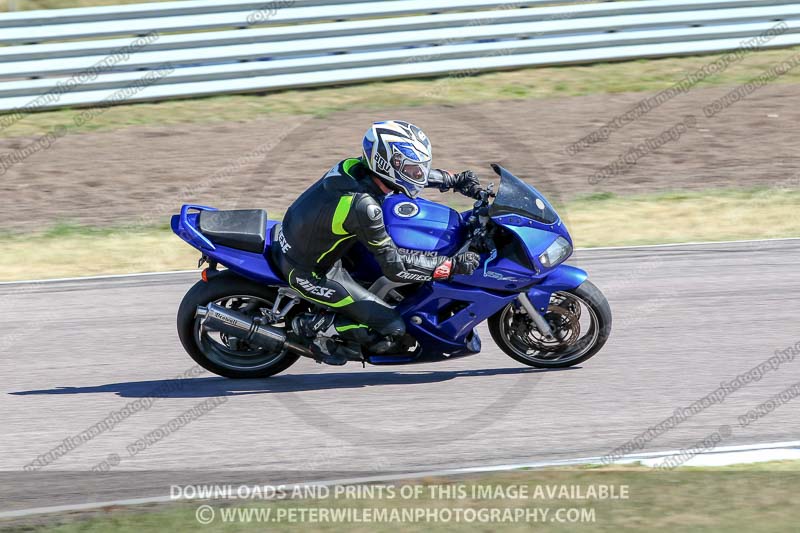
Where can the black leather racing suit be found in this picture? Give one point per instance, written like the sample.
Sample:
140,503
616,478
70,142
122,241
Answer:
340,209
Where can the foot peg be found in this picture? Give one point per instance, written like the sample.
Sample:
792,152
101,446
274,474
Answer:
392,345
328,351
325,352
384,346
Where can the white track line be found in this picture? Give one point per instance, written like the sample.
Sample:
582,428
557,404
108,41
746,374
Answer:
409,476
675,244
600,248
99,277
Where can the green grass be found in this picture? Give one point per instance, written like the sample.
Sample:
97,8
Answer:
606,219
603,219
753,498
547,82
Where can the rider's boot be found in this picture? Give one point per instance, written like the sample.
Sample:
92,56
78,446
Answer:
309,325
391,344
385,345
317,327
352,331
328,351
362,335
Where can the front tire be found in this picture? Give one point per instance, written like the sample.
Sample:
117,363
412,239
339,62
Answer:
222,355
516,335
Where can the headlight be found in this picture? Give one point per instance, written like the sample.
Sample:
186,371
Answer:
556,252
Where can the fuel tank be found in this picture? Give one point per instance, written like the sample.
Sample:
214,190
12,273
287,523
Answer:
423,225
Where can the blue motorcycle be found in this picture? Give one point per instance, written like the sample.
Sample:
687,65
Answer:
237,322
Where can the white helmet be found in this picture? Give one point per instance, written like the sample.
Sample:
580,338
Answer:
400,154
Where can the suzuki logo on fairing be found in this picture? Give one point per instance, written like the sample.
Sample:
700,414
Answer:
489,259
497,275
494,275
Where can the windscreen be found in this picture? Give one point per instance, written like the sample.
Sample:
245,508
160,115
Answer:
518,198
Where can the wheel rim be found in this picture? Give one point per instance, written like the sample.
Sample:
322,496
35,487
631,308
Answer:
576,330
232,353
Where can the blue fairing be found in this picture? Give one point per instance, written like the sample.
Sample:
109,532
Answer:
247,264
427,226
448,313
504,274
535,236
561,278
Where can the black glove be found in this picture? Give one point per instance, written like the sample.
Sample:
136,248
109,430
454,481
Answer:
465,263
467,183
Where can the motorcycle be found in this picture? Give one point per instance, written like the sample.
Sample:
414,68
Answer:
238,322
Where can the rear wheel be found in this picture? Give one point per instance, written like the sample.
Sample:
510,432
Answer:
581,324
219,353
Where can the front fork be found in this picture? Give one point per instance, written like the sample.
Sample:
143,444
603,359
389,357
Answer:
541,324
562,278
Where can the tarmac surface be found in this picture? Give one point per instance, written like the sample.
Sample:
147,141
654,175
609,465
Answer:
686,319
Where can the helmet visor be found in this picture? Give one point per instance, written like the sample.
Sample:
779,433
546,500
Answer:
414,171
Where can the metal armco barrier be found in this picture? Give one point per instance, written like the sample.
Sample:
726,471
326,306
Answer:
75,57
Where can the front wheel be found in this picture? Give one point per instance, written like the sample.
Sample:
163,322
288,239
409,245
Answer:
580,319
217,352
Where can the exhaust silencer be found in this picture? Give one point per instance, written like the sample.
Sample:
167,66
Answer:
241,326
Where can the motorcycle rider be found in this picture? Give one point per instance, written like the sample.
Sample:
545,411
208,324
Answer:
344,207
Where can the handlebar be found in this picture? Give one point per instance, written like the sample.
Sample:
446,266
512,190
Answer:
479,236
481,206
484,195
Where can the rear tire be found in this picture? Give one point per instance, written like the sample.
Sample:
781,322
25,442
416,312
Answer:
599,309
220,286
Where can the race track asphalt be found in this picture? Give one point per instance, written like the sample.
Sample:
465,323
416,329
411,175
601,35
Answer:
686,318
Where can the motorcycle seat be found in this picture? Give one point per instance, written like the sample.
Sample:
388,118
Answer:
242,229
